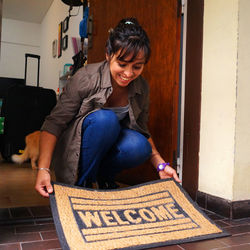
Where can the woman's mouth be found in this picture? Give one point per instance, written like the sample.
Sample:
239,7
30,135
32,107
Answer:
125,79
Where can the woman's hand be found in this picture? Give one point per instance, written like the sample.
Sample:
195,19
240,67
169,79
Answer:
169,172
43,184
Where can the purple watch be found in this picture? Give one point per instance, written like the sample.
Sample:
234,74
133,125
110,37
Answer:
162,166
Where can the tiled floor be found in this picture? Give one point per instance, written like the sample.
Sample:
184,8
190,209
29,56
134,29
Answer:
17,184
33,228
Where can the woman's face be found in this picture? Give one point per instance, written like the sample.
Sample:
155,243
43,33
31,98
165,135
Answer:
124,72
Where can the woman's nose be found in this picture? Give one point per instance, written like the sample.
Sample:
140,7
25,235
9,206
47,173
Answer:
128,72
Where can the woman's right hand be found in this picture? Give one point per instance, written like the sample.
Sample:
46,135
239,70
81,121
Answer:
43,183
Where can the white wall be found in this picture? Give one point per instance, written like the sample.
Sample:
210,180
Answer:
218,106
19,38
225,113
50,67
242,152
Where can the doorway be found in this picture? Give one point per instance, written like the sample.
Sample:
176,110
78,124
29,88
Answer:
162,21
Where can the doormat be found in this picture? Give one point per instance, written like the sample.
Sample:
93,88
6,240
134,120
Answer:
152,214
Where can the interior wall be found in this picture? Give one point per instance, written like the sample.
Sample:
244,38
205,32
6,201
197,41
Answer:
218,105
241,190
51,67
1,7
19,38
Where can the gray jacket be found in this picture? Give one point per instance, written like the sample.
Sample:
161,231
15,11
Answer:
87,91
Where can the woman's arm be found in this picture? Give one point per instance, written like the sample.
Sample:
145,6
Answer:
43,180
156,159
63,113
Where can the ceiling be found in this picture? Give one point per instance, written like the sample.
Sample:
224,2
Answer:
26,10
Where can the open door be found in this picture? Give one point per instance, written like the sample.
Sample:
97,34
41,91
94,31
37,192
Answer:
161,20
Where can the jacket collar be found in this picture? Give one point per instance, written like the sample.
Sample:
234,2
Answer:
105,75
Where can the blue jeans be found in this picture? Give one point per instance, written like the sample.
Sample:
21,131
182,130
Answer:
107,148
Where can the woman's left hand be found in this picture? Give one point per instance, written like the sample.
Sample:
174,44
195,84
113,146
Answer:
169,172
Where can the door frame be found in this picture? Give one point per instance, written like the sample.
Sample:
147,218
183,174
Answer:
192,96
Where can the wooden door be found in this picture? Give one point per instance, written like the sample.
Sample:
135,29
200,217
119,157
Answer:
161,20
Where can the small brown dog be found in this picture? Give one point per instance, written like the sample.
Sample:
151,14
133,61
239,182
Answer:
31,150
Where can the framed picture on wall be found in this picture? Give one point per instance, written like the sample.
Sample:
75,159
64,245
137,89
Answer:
59,51
54,48
65,42
65,24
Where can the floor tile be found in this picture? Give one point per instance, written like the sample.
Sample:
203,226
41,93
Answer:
41,211
20,212
4,214
42,245
43,221
35,228
238,222
15,246
49,235
238,229
203,245
215,217
238,247
173,247
14,238
7,230
222,223
237,239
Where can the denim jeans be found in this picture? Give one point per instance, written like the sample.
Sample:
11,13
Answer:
107,148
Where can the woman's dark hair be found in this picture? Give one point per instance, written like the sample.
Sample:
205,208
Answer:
130,38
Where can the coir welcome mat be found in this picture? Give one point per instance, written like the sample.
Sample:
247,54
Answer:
153,214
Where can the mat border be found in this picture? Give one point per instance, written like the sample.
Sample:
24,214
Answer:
62,238
57,223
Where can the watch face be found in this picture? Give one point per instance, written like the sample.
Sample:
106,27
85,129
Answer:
161,167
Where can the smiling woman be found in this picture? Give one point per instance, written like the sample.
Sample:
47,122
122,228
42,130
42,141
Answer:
99,143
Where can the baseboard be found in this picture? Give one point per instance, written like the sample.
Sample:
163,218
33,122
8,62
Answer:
226,208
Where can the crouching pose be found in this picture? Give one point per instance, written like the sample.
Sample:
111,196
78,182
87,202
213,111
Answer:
99,125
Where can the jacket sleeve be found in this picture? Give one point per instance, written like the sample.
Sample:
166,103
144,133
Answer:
68,103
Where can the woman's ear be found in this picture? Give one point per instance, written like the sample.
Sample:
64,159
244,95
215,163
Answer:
107,57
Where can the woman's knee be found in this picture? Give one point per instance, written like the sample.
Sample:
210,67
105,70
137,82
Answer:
136,144
102,119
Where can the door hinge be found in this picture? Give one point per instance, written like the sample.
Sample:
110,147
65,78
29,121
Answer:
183,2
178,165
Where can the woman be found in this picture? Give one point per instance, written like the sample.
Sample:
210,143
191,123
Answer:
99,125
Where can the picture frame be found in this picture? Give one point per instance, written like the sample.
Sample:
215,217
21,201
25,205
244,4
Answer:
65,24
65,42
54,48
59,50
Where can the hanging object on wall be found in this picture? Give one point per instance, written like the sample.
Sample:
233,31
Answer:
83,26
59,40
54,48
65,42
73,3
65,24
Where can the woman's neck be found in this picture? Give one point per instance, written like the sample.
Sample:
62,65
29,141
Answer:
119,96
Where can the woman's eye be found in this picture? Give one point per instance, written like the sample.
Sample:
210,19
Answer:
122,65
137,67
